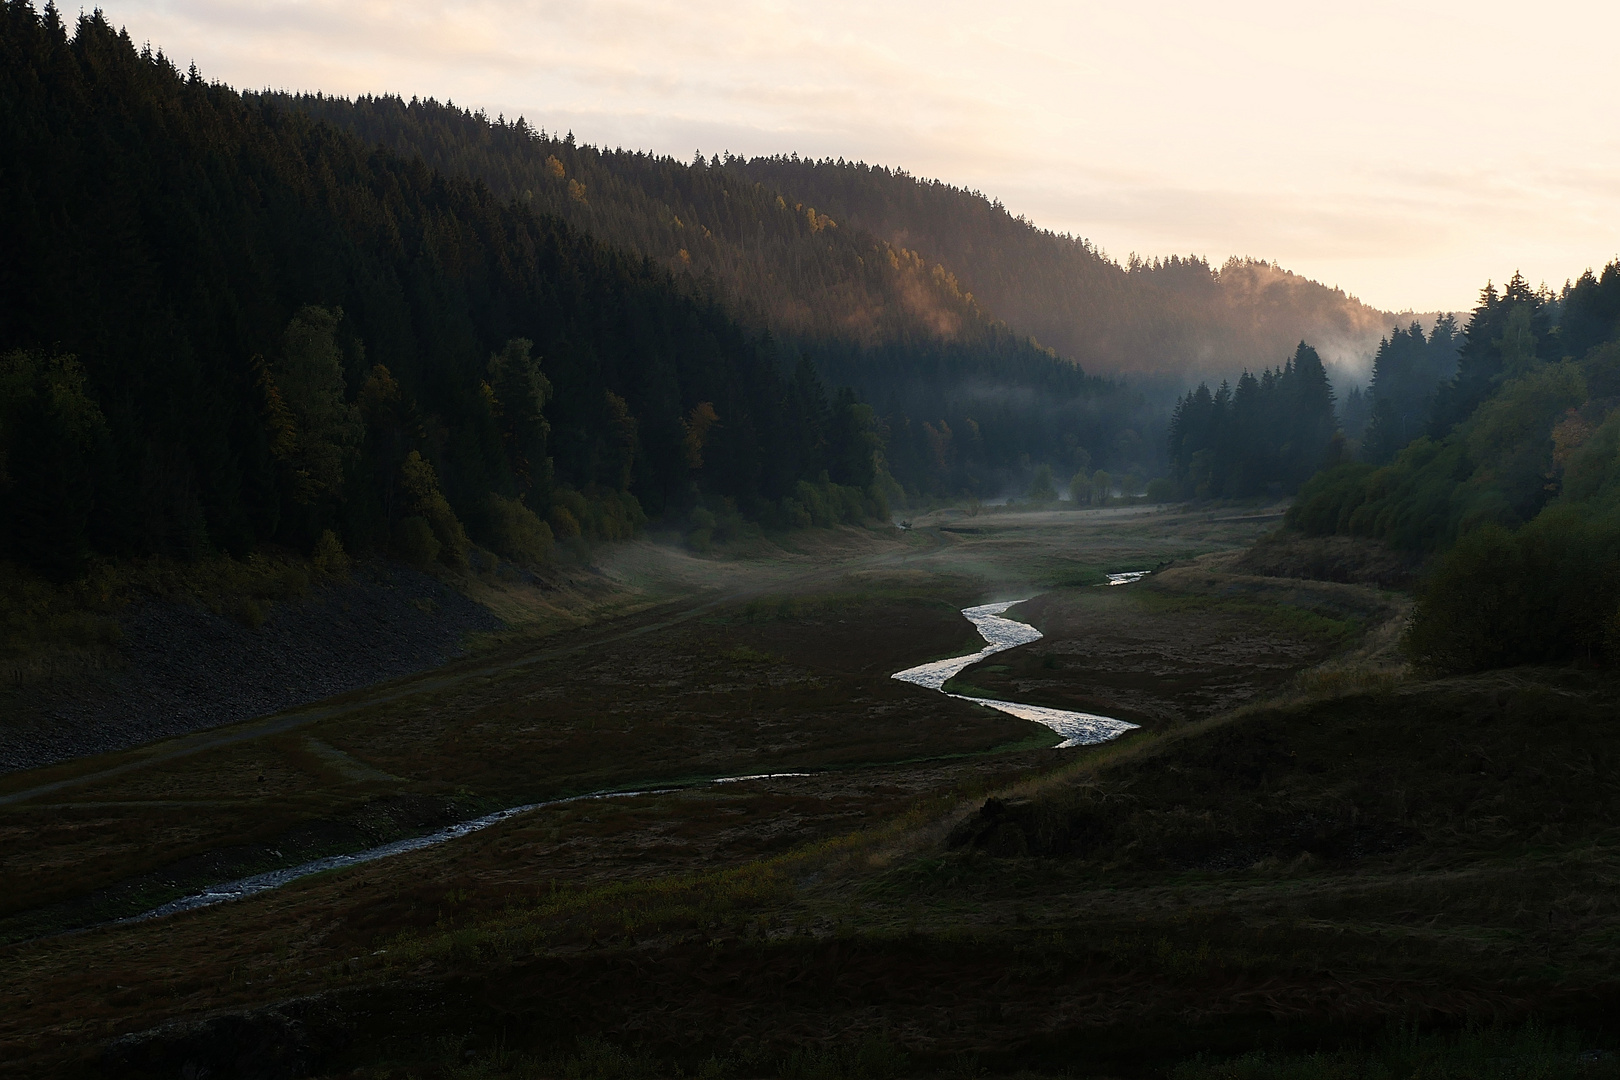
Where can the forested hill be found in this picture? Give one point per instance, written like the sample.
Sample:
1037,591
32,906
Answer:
968,406
223,323
871,255
786,265
1175,316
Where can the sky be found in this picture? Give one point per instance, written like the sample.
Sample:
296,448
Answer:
1403,152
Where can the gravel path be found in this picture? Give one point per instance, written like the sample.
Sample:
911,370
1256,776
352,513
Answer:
187,669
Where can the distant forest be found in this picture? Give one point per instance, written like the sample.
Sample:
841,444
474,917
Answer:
869,254
1175,317
1265,436
232,319
1271,432
968,404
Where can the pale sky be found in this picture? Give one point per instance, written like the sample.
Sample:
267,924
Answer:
1405,152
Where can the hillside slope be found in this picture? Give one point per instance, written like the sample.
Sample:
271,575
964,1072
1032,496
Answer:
782,264
967,401
223,324
1174,316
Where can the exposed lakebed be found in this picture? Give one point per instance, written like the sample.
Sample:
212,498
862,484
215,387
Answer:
1000,634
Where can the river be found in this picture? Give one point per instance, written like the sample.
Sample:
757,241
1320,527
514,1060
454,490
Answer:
1077,729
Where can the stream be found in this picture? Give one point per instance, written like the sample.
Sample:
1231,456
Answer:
274,879
1077,728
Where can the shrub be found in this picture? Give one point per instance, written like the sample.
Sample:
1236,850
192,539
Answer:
517,532
329,556
701,536
421,485
1041,489
1327,499
794,513
1080,487
415,542
1498,599
1160,489
596,513
1102,486
564,524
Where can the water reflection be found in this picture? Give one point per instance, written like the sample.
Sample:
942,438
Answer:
1077,728
274,879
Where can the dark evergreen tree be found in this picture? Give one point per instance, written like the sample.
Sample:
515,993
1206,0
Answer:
1505,334
1591,311
1407,373
1267,435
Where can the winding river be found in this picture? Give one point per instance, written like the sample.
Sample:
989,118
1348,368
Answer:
1077,729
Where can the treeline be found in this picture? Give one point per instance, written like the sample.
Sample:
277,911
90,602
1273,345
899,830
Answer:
1173,316
1409,370
778,264
1267,435
225,323
1514,487
969,406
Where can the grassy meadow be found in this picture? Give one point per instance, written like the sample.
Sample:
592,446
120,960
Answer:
1308,862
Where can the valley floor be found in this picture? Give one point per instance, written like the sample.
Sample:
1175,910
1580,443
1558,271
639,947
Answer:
1303,845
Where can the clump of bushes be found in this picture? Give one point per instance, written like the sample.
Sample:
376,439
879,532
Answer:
1549,592
516,532
432,529
824,504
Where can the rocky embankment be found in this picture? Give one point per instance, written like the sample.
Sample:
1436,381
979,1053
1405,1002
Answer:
185,668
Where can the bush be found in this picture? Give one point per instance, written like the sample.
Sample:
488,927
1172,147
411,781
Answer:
415,542
795,514
1160,489
564,525
701,536
421,485
826,503
1102,486
595,514
1041,489
1327,499
329,556
1498,599
1080,487
517,532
